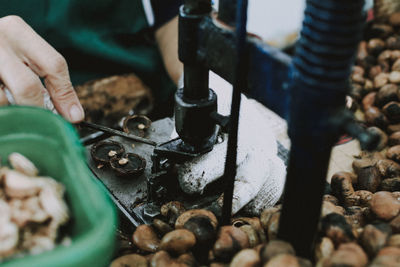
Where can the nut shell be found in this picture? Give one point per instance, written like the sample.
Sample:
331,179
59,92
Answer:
100,150
133,167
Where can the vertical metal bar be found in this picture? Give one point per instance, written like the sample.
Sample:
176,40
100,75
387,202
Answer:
195,82
324,56
240,82
195,74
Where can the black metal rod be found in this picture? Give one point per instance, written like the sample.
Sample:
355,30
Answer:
118,133
240,82
320,84
195,82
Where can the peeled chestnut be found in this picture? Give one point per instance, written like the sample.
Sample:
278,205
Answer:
145,238
230,240
178,241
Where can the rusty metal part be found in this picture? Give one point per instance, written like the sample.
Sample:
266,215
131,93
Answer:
118,133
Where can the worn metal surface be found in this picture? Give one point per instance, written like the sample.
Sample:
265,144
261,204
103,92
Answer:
127,193
268,67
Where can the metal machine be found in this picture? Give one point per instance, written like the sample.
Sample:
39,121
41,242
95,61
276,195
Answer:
308,90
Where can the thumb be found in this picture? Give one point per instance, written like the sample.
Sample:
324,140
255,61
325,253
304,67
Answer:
64,97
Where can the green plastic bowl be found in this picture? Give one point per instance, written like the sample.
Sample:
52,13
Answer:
53,146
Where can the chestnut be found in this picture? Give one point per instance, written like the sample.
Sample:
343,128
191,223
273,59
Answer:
283,260
396,65
145,238
364,197
384,205
349,254
178,242
395,224
184,217
274,248
387,93
374,71
381,79
324,249
393,42
130,260
266,216
394,241
205,234
393,153
394,77
163,259
335,227
230,240
172,210
373,116
331,199
374,237
369,178
246,258
393,128
161,226
342,188
368,100
375,46
383,138
255,224
392,111
394,19
390,184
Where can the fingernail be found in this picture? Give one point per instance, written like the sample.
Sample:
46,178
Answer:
75,113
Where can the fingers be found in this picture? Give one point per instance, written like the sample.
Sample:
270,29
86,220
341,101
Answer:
42,60
24,85
3,98
58,84
50,65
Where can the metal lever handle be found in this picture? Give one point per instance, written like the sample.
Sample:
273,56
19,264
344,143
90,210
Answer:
368,140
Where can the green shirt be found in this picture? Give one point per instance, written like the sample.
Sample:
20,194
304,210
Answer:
98,38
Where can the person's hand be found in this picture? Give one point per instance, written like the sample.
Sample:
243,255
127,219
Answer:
25,58
260,173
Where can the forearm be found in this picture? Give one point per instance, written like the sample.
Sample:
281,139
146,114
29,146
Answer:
167,39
